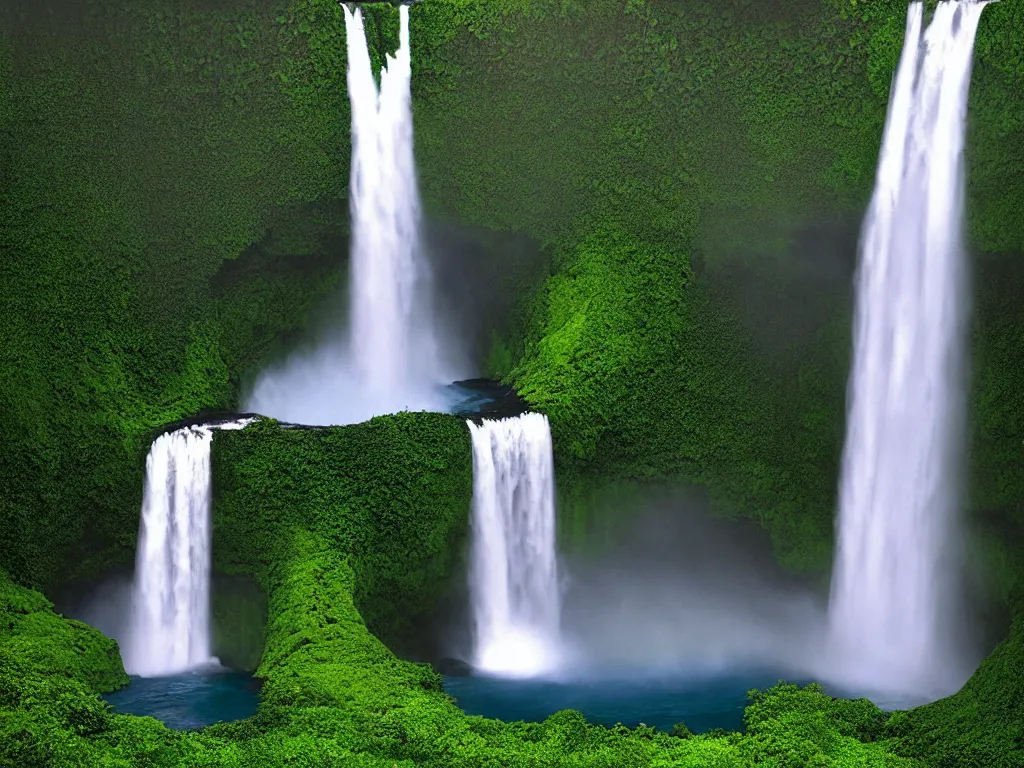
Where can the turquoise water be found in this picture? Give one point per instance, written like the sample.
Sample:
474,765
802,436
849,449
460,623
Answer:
703,701
196,699
189,700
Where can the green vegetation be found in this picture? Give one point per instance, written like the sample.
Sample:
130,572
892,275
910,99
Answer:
649,375
395,491
334,694
173,207
983,724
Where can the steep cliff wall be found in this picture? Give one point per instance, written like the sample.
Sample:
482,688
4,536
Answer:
174,203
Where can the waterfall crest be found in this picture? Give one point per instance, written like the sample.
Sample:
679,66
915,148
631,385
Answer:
514,585
899,493
170,621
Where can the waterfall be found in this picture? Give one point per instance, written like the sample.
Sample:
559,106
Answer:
514,573
170,621
894,578
385,215
391,358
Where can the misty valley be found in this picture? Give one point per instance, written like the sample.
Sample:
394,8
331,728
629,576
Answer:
461,383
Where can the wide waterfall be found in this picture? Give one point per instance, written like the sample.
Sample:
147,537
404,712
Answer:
170,621
894,584
391,358
514,574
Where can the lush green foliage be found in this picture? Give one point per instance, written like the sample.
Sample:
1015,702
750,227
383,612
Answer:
50,669
173,178
394,493
649,374
141,148
980,726
335,695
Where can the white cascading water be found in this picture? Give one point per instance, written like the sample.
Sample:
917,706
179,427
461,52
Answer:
514,585
895,569
170,621
385,215
392,359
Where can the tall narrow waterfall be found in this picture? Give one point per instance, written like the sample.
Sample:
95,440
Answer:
385,269
390,359
900,487
171,601
514,574
170,622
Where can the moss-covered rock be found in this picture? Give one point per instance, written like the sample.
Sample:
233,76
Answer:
50,672
238,618
393,493
38,641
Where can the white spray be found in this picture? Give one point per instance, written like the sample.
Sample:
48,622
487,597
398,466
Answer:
894,579
514,574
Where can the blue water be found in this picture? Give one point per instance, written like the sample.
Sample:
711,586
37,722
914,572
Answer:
483,398
703,702
190,700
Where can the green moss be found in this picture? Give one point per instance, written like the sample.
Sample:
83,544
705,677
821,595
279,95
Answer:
394,491
609,312
982,724
238,616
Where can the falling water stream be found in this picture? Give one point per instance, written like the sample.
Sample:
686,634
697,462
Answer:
391,337
390,359
894,583
514,573
169,630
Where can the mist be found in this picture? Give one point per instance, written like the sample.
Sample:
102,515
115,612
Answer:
393,356
317,384
104,603
680,591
